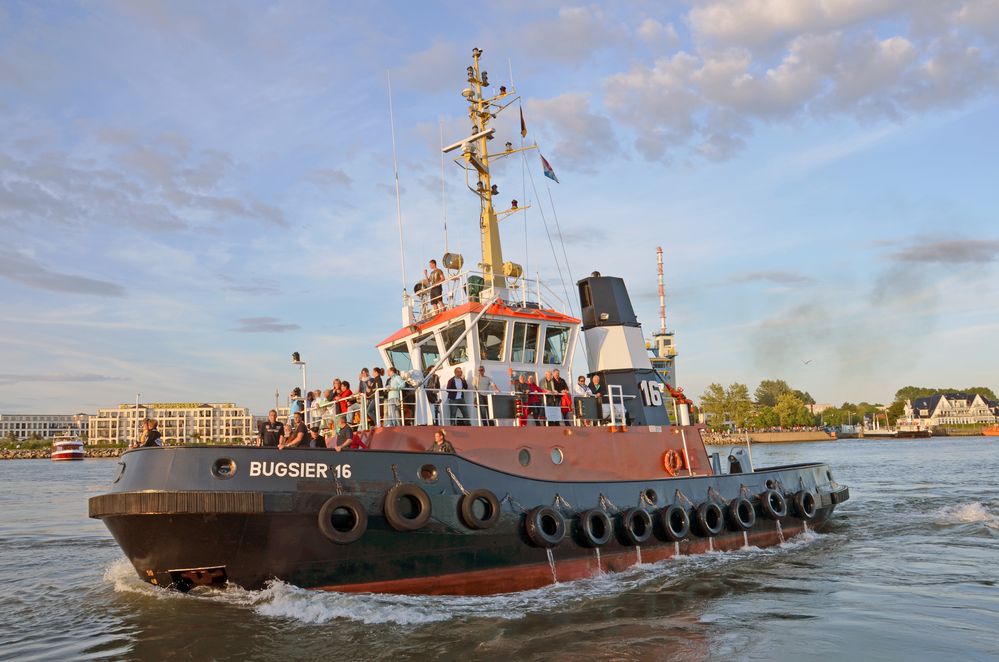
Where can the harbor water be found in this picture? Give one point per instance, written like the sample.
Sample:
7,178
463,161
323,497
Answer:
909,570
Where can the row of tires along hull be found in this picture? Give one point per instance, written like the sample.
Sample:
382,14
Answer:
344,520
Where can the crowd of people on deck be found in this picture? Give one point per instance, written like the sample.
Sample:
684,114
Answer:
334,418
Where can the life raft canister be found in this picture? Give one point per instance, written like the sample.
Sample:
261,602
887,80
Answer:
675,522
773,504
741,514
544,526
710,519
480,509
595,527
636,526
673,461
805,506
407,507
342,519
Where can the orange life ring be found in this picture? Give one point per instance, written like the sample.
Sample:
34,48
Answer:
672,461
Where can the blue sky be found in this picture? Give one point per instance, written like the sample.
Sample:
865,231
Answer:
191,191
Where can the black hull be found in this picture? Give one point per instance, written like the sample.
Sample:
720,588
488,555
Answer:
196,528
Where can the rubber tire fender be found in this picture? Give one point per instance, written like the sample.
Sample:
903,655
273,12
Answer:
406,491
467,509
741,514
351,504
636,526
706,513
773,505
534,526
676,522
586,527
805,505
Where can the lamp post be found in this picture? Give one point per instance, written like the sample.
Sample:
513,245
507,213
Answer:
296,359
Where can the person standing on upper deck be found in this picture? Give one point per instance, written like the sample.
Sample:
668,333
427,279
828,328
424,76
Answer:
456,387
482,384
394,398
435,277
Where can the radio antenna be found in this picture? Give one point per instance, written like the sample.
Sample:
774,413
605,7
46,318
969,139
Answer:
398,199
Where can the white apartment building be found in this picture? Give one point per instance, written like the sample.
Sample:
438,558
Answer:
178,422
46,426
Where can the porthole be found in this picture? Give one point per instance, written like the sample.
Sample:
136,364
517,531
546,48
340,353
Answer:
524,457
771,485
557,455
224,468
428,473
650,496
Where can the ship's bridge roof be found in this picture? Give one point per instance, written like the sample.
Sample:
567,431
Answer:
498,309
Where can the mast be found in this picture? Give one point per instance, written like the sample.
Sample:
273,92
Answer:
482,109
478,112
662,292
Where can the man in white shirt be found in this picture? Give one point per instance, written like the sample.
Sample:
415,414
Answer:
482,384
580,389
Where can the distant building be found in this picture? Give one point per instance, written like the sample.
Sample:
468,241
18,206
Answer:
820,407
951,409
179,423
46,426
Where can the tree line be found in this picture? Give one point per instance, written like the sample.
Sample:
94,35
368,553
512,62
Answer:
775,404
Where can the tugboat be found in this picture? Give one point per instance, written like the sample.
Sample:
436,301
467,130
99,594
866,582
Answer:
533,492
67,447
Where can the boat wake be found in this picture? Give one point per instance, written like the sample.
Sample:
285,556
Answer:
967,513
284,601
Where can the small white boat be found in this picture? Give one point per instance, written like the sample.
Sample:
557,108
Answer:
67,447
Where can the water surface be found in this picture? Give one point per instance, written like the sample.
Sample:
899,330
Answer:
908,571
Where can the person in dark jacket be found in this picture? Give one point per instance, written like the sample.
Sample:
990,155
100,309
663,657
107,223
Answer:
456,396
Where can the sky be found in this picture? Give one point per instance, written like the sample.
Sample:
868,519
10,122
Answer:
191,191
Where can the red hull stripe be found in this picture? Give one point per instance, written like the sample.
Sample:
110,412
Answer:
524,577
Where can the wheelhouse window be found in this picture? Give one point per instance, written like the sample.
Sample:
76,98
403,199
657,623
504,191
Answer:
556,344
399,357
492,335
426,347
449,336
525,342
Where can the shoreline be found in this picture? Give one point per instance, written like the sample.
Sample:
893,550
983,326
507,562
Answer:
46,453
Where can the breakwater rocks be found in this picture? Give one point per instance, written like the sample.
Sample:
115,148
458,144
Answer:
723,439
44,453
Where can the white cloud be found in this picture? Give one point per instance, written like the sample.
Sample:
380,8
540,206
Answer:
708,101
578,137
755,23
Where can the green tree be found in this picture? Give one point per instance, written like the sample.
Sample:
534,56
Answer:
713,404
792,411
895,411
769,391
738,404
805,397
766,417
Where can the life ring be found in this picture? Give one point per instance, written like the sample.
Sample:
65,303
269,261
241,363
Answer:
773,504
741,514
545,526
407,507
805,506
673,461
675,522
343,527
636,526
595,527
710,519
490,509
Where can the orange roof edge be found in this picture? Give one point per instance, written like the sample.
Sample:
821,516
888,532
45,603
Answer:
472,307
